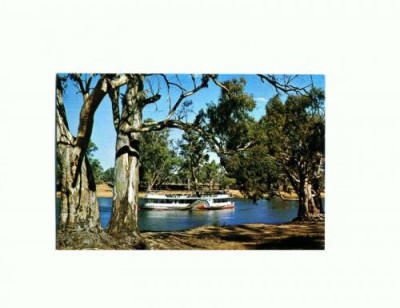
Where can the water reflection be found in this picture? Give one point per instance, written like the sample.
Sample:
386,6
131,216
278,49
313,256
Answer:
179,220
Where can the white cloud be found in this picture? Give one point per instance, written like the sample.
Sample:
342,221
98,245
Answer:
261,99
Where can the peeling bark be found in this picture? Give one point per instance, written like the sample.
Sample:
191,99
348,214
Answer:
79,206
124,219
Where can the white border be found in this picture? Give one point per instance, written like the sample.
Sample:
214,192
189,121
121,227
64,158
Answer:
352,42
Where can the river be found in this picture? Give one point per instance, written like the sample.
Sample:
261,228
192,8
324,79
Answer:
275,211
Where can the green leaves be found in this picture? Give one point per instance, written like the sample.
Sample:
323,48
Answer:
95,164
97,169
229,122
290,141
108,175
158,162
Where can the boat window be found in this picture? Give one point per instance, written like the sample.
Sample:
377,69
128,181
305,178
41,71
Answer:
220,200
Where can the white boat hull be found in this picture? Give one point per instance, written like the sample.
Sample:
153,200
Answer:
163,202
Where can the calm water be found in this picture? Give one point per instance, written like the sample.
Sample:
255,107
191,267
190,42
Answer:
272,212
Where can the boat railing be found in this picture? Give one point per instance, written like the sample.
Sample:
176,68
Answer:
202,193
186,196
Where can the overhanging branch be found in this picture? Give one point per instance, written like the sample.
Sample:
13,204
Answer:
184,95
215,80
286,86
157,126
151,99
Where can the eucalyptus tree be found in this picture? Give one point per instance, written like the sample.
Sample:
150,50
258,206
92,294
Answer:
227,126
95,164
253,171
194,156
79,206
129,126
230,131
108,176
287,145
158,162
295,132
210,173
248,149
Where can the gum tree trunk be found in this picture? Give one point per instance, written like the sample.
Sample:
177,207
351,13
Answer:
195,178
318,198
79,206
124,219
150,186
307,207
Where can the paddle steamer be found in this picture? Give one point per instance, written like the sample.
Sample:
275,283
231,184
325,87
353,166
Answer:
209,201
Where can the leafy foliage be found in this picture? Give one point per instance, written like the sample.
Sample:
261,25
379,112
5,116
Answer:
296,135
108,175
253,171
228,123
289,148
95,164
158,162
209,173
193,156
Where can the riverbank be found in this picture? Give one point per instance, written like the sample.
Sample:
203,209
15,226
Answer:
106,191
293,235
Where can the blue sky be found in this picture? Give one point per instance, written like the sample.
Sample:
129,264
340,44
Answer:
104,135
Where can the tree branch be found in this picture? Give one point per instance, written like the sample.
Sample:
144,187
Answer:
295,182
204,84
151,99
169,83
113,93
78,79
88,82
157,126
120,81
89,107
215,80
86,117
285,87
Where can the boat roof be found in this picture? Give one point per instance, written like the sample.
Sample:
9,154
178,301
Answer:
165,196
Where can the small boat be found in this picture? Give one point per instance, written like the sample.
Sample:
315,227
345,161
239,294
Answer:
217,201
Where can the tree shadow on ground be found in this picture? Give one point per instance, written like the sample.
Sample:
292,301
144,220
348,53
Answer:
277,238
289,236
291,243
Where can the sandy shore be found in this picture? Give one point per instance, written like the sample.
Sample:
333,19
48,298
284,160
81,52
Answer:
104,191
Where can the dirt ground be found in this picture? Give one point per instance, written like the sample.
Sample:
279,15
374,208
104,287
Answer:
295,235
103,190
289,236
